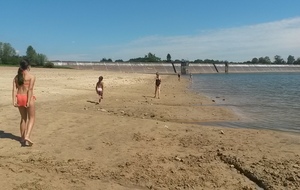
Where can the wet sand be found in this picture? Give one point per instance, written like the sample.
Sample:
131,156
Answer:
134,141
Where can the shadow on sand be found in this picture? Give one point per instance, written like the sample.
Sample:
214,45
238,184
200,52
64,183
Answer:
4,135
93,102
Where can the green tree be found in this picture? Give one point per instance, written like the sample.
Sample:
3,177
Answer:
268,60
198,61
290,59
254,60
208,61
297,62
278,60
7,53
261,60
264,60
41,59
31,55
148,58
106,60
169,58
139,59
151,58
49,64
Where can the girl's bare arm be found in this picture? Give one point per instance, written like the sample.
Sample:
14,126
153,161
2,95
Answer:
30,91
14,93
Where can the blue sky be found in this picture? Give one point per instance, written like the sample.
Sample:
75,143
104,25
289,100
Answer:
232,30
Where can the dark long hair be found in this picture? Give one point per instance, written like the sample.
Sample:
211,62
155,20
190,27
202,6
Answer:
23,66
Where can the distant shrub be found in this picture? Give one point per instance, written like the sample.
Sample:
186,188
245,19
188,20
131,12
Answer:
49,65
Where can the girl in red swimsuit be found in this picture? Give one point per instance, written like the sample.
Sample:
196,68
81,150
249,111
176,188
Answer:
22,97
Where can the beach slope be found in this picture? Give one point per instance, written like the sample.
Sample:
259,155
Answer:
134,141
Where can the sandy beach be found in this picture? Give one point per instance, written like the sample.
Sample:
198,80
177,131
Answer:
134,141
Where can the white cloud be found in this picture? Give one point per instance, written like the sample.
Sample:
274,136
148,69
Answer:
232,44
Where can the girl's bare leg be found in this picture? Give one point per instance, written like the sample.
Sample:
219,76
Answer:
155,91
23,113
31,120
100,96
158,92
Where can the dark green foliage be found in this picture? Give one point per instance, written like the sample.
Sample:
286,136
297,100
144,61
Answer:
35,59
148,58
49,65
290,59
198,61
8,56
14,60
278,60
106,60
254,60
31,55
264,60
297,62
169,58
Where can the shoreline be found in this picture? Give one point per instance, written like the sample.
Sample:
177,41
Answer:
133,141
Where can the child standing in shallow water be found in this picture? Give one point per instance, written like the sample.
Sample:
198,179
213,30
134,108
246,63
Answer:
99,88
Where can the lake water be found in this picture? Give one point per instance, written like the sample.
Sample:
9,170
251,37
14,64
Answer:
263,100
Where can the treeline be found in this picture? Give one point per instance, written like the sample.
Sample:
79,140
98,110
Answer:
147,58
9,56
261,60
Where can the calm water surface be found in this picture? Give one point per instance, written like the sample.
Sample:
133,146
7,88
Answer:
263,100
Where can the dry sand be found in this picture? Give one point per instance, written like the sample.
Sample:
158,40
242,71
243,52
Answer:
133,141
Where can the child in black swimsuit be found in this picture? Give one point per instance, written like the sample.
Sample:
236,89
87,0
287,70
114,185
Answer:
157,86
